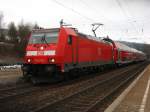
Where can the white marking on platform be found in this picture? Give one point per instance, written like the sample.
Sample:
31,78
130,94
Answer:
112,107
142,107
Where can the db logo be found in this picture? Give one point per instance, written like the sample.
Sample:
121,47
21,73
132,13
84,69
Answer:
40,53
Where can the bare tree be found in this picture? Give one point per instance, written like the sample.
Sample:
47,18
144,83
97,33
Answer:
2,35
12,32
24,31
1,19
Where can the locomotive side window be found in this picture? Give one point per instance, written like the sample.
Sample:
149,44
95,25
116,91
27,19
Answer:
70,40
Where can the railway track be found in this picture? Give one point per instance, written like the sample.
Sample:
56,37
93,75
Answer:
11,87
16,90
23,89
43,98
88,98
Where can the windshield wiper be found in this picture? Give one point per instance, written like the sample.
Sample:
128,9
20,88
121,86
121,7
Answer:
43,39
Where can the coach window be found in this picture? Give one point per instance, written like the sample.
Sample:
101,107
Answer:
70,40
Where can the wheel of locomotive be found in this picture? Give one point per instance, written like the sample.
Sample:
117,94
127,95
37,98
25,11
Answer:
66,76
55,74
73,74
26,76
85,71
99,69
95,69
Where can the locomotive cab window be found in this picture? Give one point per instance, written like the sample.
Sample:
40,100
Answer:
70,40
41,37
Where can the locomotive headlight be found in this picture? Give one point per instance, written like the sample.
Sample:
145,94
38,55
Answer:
29,60
52,60
42,48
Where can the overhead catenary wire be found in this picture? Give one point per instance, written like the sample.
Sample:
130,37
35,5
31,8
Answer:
132,16
139,23
130,23
80,14
95,10
107,20
73,10
125,14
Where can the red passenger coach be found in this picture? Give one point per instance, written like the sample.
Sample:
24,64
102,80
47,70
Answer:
127,54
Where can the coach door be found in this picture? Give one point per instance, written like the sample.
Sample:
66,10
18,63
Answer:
72,40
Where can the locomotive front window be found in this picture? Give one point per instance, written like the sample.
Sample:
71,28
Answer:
50,37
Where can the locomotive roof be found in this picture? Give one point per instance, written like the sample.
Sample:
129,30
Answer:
98,39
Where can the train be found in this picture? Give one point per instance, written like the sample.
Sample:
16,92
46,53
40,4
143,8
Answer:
59,50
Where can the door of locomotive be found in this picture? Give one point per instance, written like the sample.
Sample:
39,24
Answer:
73,41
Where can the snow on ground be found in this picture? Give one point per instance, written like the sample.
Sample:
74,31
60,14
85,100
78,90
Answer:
10,67
10,74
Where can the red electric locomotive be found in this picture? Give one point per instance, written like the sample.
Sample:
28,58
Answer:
64,49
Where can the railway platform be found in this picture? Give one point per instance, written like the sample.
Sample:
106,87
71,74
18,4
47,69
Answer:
136,98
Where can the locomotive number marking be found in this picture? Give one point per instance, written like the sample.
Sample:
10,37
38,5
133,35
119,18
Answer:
99,51
40,53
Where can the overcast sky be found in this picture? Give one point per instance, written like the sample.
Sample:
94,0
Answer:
123,19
